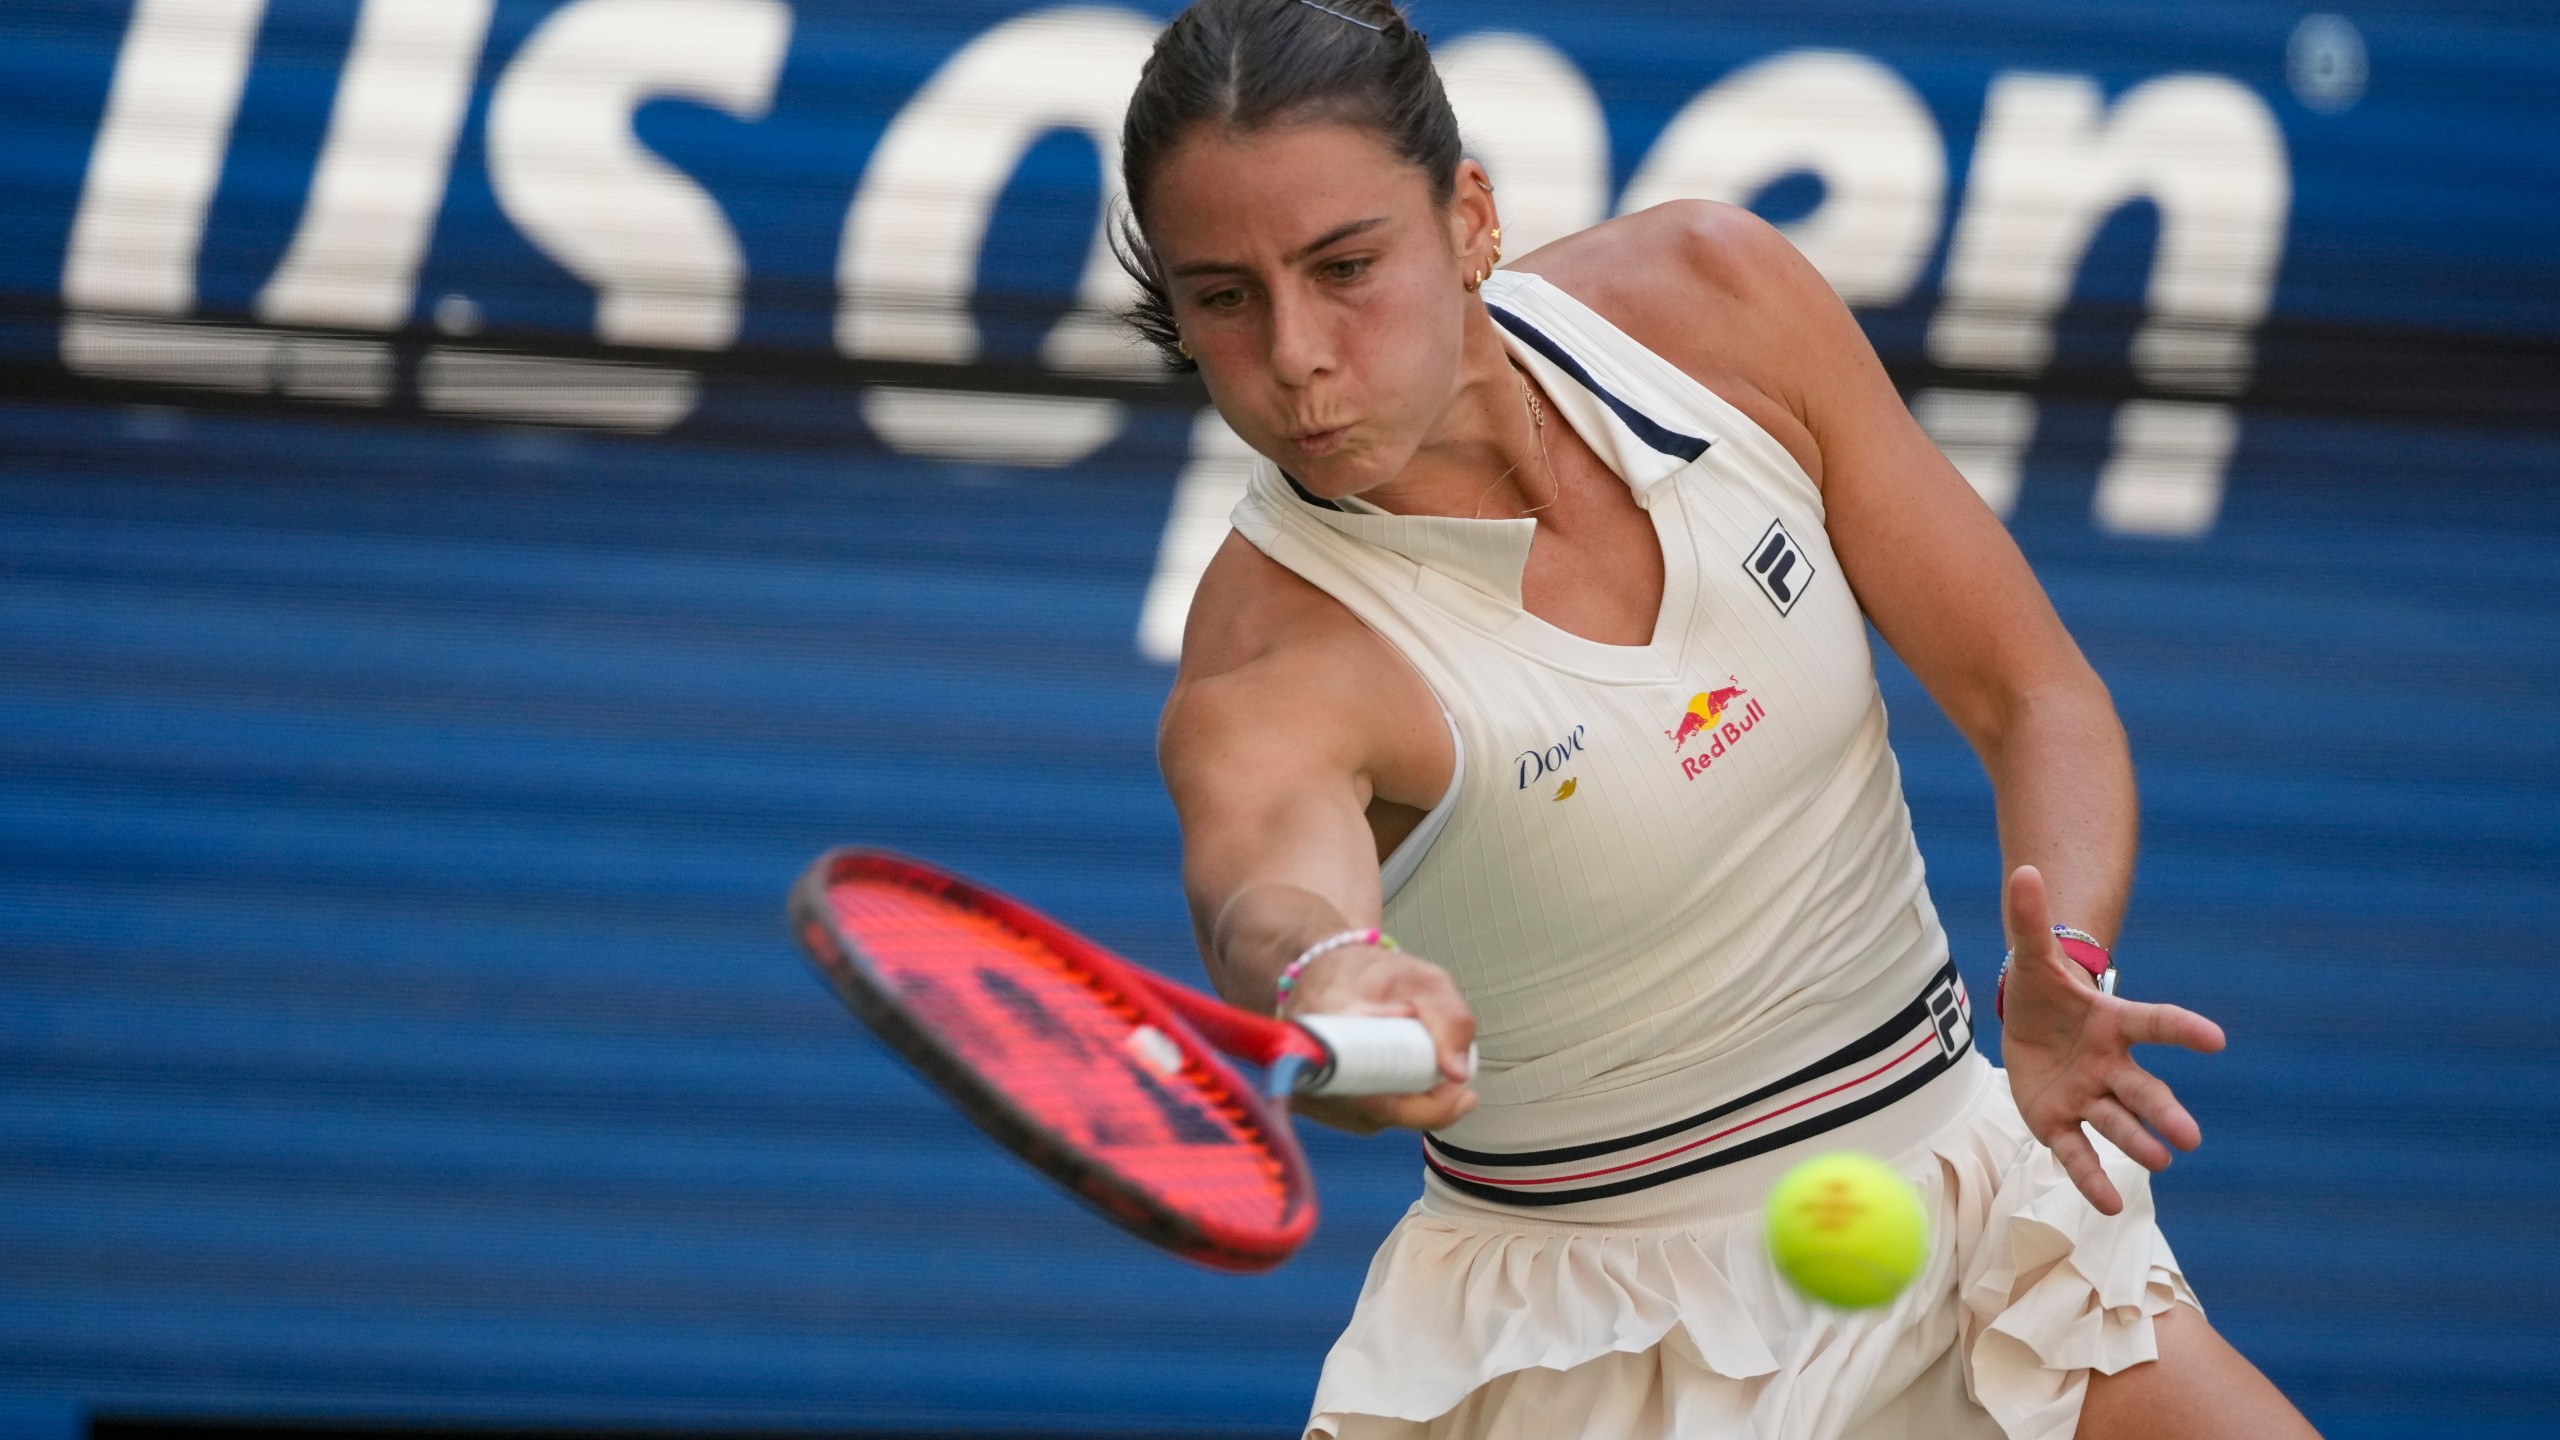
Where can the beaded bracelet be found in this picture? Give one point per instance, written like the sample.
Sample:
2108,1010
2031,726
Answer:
2078,946
1289,974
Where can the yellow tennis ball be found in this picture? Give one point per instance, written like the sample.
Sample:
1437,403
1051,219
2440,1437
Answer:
1846,1230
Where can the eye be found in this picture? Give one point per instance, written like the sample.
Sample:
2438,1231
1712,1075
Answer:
1350,268
1227,299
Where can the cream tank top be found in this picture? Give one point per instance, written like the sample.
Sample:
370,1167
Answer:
1676,881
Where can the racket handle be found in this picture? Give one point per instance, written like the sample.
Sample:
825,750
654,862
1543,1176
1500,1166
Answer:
1370,1055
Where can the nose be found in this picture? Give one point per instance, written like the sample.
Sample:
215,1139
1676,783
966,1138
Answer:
1301,340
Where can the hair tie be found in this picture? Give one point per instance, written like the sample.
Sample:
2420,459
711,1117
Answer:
1338,15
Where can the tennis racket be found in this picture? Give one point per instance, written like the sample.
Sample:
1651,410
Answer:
1105,1077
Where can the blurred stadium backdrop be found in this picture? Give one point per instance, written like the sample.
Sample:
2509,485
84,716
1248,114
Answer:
488,488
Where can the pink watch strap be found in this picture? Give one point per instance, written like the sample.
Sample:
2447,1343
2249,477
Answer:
2083,950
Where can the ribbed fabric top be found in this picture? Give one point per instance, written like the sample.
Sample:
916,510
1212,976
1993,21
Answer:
1673,869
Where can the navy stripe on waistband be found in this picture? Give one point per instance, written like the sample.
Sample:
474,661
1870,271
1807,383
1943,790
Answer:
1668,441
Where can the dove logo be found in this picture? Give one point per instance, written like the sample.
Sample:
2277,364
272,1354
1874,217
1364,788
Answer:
1537,765
1723,716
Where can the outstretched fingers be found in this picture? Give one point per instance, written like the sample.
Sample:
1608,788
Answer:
2118,1124
2080,1161
2150,1100
2170,1025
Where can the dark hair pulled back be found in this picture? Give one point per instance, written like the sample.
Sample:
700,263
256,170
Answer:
1247,64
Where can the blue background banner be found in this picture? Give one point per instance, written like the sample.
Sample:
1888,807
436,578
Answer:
448,590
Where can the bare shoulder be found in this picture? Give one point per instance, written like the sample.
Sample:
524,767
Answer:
1717,291
1275,669
1250,608
1686,273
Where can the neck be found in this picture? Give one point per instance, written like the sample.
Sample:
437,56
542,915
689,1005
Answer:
1483,458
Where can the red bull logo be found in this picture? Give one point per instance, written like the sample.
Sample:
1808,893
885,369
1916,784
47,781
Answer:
1704,712
1723,716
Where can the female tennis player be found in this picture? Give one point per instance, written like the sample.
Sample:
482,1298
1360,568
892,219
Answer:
1541,643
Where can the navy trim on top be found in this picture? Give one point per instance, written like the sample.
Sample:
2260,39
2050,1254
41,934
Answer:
1308,495
1669,442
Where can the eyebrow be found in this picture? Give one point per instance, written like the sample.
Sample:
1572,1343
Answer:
1332,237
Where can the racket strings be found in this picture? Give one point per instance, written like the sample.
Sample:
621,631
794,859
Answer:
1063,1045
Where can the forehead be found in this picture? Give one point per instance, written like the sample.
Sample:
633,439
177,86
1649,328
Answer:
1222,192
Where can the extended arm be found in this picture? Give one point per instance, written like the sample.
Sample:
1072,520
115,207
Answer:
1938,574
1272,750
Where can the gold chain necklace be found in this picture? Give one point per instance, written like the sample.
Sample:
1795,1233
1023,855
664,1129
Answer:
1537,422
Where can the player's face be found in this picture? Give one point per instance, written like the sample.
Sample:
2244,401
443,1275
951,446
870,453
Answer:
1318,285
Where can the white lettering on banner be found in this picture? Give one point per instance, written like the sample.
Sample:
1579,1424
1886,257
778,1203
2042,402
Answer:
574,178
1211,483
1529,117
152,171
158,155
1855,125
2053,160
2051,164
605,394
381,179
2163,474
228,357
1984,434
137,234
912,236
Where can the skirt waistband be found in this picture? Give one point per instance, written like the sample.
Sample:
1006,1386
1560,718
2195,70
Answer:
1867,1078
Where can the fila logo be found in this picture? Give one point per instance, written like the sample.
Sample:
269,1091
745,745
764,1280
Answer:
1778,566
1947,1014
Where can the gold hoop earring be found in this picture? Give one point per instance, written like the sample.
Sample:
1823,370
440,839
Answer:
1476,281
1487,185
1184,346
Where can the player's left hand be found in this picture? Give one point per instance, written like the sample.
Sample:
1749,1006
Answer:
2068,1050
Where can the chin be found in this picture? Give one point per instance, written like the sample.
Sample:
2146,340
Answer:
1348,471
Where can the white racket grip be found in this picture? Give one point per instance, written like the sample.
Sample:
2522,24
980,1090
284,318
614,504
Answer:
1375,1055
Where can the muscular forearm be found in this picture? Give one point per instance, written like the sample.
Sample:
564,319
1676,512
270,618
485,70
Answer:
2063,780
1258,931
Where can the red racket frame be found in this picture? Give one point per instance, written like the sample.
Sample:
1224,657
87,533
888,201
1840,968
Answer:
1201,1026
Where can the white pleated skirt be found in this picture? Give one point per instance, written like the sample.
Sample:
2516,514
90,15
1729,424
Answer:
1664,1317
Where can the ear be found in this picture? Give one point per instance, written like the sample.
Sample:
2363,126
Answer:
1472,217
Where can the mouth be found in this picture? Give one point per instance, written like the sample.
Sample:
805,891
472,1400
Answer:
1315,443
